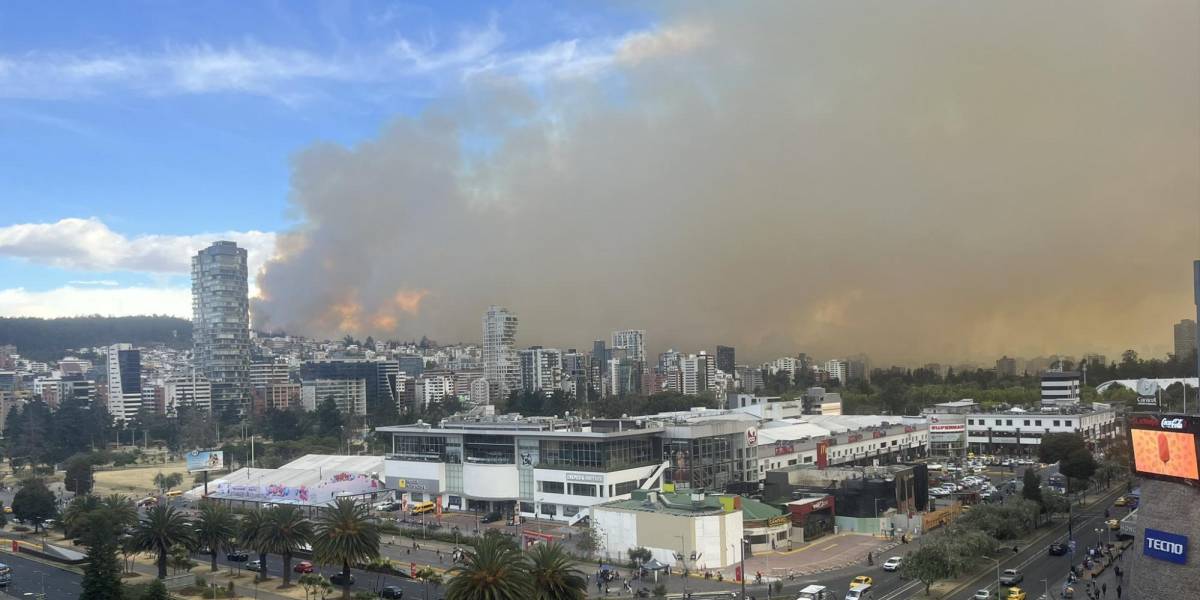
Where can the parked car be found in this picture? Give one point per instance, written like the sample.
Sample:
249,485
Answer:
1011,577
492,517
892,563
391,591
341,579
237,556
303,567
255,565
1057,549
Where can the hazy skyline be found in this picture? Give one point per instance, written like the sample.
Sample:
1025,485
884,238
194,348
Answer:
917,181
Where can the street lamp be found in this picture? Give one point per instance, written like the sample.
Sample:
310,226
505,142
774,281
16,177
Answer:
1046,589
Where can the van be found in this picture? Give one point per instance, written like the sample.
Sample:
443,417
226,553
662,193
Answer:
422,508
860,591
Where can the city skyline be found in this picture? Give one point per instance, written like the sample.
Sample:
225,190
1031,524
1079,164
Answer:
770,226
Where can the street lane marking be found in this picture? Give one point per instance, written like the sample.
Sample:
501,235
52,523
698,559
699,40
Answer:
828,547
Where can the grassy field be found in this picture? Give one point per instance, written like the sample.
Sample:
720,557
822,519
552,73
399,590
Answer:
138,480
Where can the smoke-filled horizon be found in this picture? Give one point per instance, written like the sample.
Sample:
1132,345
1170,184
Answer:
914,181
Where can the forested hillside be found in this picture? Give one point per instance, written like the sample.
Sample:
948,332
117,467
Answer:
48,339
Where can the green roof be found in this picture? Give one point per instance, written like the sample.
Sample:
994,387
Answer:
753,510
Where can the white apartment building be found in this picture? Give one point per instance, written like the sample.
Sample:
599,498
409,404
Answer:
697,373
267,373
501,366
633,341
479,391
837,369
124,381
350,395
434,388
190,390
541,369
1060,389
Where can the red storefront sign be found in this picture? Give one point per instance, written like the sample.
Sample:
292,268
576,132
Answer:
822,454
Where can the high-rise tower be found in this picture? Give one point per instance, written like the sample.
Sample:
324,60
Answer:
221,324
501,366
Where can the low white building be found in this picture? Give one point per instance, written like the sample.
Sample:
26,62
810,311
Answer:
1018,431
691,531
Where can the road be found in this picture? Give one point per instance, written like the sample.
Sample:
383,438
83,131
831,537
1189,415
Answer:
29,577
363,580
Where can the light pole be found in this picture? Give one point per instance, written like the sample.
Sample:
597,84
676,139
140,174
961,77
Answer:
997,576
1046,589
743,561
683,561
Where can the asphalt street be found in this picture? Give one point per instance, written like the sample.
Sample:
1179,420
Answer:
31,577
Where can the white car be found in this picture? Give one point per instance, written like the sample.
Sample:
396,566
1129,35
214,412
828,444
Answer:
892,563
982,595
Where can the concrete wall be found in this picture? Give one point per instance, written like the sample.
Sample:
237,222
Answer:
1174,508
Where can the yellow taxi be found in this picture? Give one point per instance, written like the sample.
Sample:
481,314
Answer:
1015,593
8,510
1122,501
861,580
1113,524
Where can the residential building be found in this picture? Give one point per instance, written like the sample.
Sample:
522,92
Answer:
1060,389
350,395
267,372
124,382
817,401
379,375
837,369
433,388
276,396
221,324
541,370
479,391
191,390
633,341
501,366
1006,367
697,373
726,359
749,378
413,366
1185,339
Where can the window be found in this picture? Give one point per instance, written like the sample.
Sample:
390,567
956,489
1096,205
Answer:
570,511
808,459
526,507
997,421
419,448
791,462
1038,422
625,487
549,509
550,487
582,489
1008,422
489,449
970,421
1056,422
1069,423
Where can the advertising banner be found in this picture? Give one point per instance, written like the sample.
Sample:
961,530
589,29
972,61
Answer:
205,460
1164,446
1170,547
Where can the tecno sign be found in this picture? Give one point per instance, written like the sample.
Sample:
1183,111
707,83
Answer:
1170,547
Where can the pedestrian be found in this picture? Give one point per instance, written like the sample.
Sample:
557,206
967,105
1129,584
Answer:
1104,589
1118,591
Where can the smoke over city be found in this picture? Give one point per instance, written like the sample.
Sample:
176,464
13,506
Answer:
969,179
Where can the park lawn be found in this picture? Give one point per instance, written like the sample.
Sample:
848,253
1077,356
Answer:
138,480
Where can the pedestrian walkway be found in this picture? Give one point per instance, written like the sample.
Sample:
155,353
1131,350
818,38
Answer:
1105,580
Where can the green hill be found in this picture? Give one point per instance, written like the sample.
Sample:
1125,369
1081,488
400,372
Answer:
49,339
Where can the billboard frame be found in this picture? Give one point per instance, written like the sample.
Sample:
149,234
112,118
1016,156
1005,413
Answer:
1177,423
209,466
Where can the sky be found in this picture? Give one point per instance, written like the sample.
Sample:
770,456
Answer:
919,181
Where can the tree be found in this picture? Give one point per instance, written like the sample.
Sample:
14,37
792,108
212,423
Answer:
554,574
927,564
181,559
78,477
101,574
493,570
284,532
77,512
329,418
429,577
1078,466
1057,446
638,556
162,528
215,529
250,534
1031,486
315,583
122,509
1055,503
588,541
165,483
343,535
34,502
156,591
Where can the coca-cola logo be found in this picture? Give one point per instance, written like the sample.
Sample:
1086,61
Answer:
1175,423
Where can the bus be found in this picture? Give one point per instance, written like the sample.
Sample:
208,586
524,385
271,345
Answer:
422,508
1057,482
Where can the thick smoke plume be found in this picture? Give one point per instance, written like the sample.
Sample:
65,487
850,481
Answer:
914,181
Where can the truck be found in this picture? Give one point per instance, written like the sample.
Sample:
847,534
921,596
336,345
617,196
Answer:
815,592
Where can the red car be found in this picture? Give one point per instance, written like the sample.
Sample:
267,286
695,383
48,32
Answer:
303,567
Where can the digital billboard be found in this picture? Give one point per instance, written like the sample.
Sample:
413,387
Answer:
205,460
1163,446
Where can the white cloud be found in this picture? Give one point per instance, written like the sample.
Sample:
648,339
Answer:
89,245
70,301
104,282
639,47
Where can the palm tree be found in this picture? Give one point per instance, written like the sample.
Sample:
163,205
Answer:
284,532
494,570
122,509
253,525
162,528
215,530
554,574
344,535
75,515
